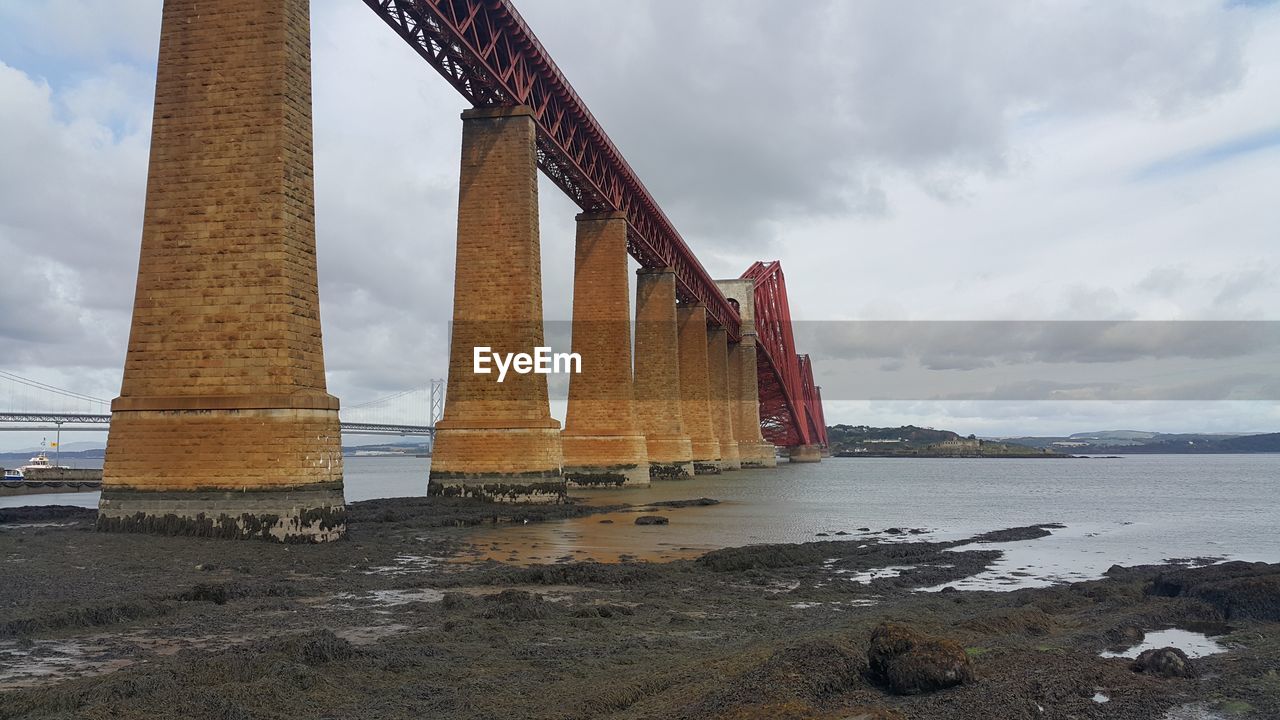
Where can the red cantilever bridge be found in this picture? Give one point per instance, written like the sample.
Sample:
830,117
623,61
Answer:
484,49
224,410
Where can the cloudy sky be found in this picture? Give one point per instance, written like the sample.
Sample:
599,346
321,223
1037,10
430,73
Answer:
909,163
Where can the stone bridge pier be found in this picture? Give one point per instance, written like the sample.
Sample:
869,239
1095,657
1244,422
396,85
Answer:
497,440
657,376
603,444
695,389
723,403
805,453
753,450
224,426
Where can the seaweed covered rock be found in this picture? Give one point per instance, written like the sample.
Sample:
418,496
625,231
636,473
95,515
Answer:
580,573
516,605
764,557
812,669
322,646
456,600
909,662
1255,597
786,685
652,520
50,617
803,711
1167,662
1029,621
775,711
46,513
872,713
697,502
1026,532
603,611
1124,636
1236,589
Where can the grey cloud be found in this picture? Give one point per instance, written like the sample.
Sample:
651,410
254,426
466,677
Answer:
33,314
83,29
1165,281
1014,418
1240,284
949,345
72,189
1247,386
742,114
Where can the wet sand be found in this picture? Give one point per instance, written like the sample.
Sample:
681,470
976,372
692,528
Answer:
425,612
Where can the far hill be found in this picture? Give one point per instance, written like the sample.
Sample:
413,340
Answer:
1268,443
15,459
905,436
1155,443
912,441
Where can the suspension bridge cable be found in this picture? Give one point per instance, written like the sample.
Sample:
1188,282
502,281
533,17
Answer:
50,388
388,398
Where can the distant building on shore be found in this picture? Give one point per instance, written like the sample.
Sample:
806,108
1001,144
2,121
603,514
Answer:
958,445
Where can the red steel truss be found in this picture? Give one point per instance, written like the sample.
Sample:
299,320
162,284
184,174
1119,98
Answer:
812,395
790,404
487,52
484,49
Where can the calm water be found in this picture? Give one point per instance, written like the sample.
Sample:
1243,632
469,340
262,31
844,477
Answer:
1137,509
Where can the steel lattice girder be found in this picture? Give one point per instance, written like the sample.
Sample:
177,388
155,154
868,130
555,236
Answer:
56,418
812,402
788,414
487,52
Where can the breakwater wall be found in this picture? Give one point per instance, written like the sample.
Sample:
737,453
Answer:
40,481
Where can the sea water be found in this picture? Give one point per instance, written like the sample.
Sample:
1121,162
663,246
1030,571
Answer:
1129,510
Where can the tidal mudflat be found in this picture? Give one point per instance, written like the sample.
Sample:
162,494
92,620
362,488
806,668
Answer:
410,618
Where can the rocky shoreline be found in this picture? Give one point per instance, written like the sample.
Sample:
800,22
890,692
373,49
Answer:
390,624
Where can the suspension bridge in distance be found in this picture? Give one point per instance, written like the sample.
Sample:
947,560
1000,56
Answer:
28,405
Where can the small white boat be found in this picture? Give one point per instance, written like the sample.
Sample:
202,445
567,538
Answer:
40,462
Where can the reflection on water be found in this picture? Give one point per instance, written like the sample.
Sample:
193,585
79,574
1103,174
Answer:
1194,644
76,499
607,537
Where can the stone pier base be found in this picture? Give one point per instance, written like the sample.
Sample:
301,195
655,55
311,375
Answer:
506,465
757,455
806,454
707,467
598,474
533,489
270,473
671,470
670,458
300,514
